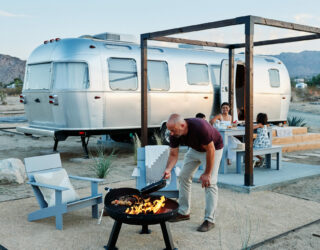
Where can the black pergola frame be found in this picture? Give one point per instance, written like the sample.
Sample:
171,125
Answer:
249,22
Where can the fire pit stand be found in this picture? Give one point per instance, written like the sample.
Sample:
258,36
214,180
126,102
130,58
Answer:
117,213
116,230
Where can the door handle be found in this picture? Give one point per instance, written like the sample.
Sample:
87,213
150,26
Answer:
97,97
37,100
205,97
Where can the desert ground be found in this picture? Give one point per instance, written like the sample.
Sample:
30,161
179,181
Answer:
305,192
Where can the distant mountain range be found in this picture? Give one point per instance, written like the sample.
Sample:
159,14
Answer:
303,65
11,68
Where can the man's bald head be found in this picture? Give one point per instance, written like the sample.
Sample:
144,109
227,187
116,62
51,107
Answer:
177,125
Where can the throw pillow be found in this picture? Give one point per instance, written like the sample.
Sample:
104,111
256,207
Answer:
57,178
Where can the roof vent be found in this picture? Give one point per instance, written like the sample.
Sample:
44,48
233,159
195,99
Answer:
112,37
189,46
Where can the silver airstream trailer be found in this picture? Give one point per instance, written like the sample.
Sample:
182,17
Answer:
91,85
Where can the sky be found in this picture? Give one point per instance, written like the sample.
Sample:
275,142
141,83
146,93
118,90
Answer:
24,25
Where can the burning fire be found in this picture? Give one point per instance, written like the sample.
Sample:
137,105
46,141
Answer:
145,206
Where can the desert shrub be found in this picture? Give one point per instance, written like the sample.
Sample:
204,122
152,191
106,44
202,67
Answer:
295,121
14,91
102,162
157,138
136,145
3,97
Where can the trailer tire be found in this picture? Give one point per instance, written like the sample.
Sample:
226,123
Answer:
165,135
121,138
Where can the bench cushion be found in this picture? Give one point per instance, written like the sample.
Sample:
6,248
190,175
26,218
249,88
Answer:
57,178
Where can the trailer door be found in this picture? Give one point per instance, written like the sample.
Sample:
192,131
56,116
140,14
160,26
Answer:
36,90
224,81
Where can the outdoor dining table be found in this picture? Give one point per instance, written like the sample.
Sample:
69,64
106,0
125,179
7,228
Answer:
235,131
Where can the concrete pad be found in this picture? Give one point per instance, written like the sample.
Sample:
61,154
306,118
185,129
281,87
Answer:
260,214
265,179
312,154
298,156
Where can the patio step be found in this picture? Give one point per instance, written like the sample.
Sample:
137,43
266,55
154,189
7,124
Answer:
295,131
309,145
300,138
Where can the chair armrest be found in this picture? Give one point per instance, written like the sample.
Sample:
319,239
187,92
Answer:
85,178
47,186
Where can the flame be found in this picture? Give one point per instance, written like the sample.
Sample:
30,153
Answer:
145,206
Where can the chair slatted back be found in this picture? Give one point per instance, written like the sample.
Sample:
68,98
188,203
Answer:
44,163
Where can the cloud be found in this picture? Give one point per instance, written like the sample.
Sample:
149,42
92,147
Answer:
7,14
306,19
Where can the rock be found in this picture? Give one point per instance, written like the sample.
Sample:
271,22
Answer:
12,171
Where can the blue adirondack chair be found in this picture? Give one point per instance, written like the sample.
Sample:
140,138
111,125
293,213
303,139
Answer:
49,164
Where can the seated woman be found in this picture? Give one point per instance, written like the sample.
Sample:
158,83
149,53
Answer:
262,140
225,119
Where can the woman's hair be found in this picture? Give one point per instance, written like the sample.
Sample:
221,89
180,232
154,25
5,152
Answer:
262,118
225,103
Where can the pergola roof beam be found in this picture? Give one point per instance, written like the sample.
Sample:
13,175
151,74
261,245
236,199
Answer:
285,25
280,40
198,27
192,42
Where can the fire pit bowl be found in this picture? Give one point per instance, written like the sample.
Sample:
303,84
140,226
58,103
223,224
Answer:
118,212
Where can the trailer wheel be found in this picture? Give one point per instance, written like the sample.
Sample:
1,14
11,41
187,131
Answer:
121,138
165,135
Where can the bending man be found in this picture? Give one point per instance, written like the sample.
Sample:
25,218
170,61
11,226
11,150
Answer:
205,147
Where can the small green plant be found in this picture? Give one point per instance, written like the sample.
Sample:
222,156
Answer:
136,145
295,121
102,162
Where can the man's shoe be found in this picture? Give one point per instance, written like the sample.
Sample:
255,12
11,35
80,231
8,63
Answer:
180,217
205,226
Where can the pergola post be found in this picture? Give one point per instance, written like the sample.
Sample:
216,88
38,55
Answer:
144,91
231,80
249,30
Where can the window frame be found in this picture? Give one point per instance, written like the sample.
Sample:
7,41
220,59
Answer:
169,86
217,66
123,58
271,84
27,76
196,84
77,89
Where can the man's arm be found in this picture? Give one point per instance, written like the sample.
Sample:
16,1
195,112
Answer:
206,176
172,160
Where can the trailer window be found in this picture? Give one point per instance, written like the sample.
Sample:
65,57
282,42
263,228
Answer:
197,74
123,74
215,74
38,76
274,78
158,76
70,75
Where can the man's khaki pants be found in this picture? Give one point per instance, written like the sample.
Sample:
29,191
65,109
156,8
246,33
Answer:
192,161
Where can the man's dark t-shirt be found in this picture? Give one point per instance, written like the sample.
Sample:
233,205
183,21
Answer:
200,132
